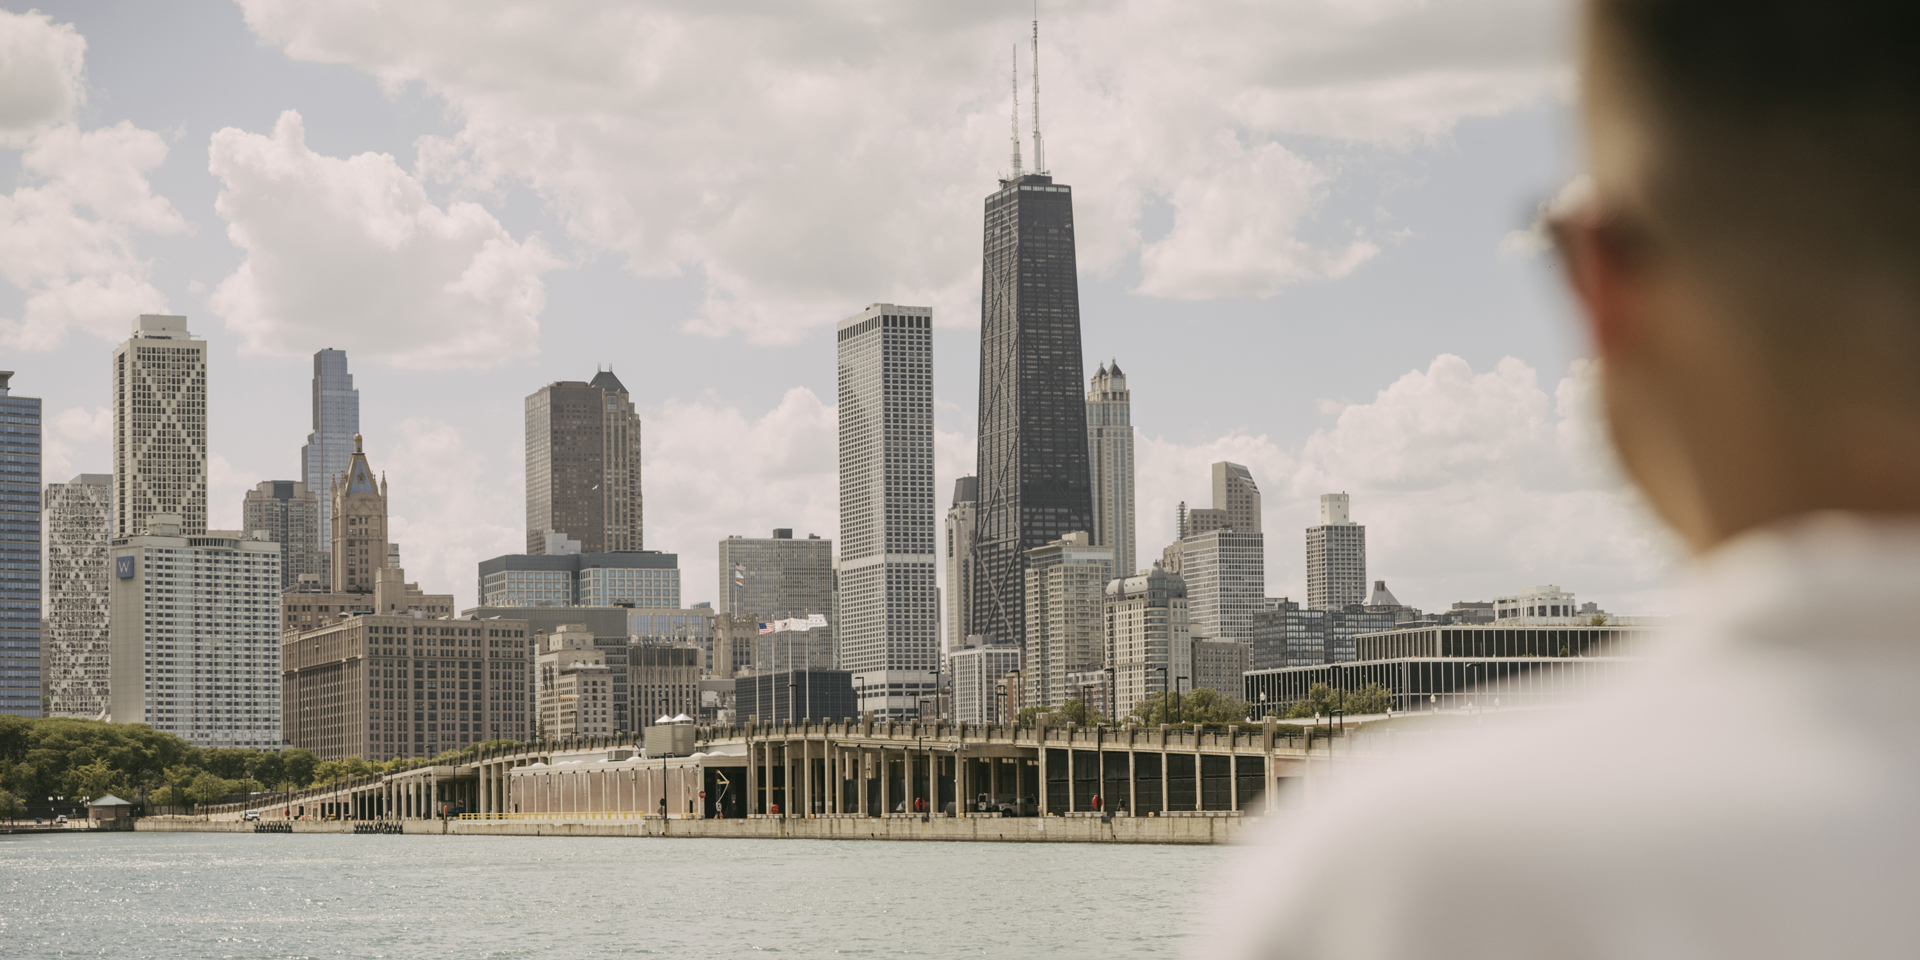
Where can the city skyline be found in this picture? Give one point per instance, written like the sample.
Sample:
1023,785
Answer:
757,452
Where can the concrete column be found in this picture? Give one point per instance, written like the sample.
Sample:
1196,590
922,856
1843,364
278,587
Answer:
1070,772
859,760
1199,780
1166,775
886,785
1233,779
1133,783
788,795
1041,733
753,776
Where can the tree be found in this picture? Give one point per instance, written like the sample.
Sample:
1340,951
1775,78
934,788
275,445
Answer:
1075,711
11,807
1322,700
298,765
1204,705
96,779
208,788
268,767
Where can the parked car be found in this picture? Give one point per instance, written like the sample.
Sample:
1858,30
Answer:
1006,808
60,819
250,815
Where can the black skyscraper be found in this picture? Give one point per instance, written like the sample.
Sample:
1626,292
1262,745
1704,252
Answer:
1034,480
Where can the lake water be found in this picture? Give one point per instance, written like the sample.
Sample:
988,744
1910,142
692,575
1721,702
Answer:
247,895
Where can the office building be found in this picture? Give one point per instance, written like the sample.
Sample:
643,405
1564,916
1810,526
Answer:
74,643
959,571
640,578
329,448
362,582
1285,634
606,624
576,688
979,671
20,610
194,635
777,576
583,466
1498,666
1110,461
1336,557
796,695
1348,623
664,681
675,626
160,427
1035,481
1066,615
1235,493
288,513
736,640
381,687
1547,600
889,610
1218,665
1225,572
1149,647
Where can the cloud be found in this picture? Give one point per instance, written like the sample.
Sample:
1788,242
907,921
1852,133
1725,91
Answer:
712,470
1470,484
40,66
67,237
449,504
352,253
78,440
805,158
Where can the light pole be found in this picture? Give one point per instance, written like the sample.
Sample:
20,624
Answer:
928,760
1165,703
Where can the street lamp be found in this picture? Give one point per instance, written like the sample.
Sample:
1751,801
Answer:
925,758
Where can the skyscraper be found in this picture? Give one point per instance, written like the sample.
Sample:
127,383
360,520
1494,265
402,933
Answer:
889,627
1066,616
19,552
73,647
1235,493
1226,575
959,576
289,512
160,427
1148,646
1336,557
1110,460
336,420
583,466
775,577
1035,485
359,525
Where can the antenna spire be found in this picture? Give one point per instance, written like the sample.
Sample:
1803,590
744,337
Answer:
1016,113
1039,147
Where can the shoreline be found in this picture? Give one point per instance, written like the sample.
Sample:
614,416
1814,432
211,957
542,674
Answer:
1178,831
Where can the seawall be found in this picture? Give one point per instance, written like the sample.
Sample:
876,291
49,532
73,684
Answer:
1076,829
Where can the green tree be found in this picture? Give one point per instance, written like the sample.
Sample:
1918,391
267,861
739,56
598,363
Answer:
1075,711
1322,700
268,767
1205,705
298,765
96,779
11,806
208,787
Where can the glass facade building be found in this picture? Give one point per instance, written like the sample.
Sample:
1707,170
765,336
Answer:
19,552
328,450
1035,483
73,646
646,578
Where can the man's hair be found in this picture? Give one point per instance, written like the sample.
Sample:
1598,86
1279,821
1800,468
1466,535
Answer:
1783,160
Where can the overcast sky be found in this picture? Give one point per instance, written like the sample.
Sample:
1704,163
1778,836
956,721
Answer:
1302,228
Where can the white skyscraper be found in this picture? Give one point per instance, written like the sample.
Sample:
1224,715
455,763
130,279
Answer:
195,635
73,647
329,448
959,575
1110,459
160,427
889,608
1336,557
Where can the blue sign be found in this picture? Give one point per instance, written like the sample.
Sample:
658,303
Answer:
123,567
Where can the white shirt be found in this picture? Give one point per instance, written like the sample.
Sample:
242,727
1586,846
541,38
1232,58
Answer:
1751,791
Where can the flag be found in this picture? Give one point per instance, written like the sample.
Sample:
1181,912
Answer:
765,627
739,574
816,620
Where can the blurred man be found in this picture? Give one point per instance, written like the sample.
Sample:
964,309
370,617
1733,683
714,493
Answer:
1747,260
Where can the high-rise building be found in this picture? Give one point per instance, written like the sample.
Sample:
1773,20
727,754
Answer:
889,629
381,686
1148,646
1066,615
363,583
329,448
1110,460
160,427
663,681
1218,665
1287,635
1336,557
1235,493
576,688
19,552
639,578
959,573
288,512
1226,573
777,576
1035,482
583,466
194,634
74,645
979,672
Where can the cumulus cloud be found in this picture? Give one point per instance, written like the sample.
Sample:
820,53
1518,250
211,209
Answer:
68,232
1470,484
805,158
40,65
76,440
450,505
352,253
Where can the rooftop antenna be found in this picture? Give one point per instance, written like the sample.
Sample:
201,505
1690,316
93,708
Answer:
1039,148
1016,113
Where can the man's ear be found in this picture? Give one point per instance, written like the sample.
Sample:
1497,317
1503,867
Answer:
1601,271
